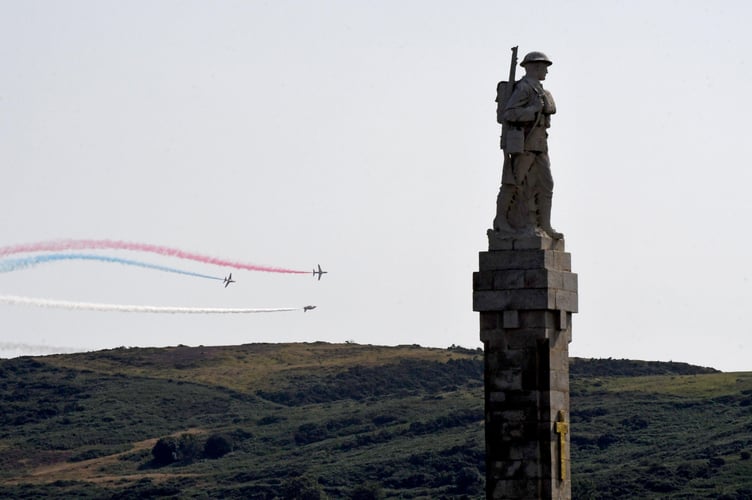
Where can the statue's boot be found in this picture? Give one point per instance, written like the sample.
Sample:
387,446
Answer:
544,217
502,225
503,202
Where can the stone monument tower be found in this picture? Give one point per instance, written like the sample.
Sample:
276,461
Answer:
526,293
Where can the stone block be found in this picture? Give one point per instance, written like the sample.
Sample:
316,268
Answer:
559,380
531,379
525,299
558,360
511,319
509,358
552,401
509,488
525,413
512,279
497,396
493,339
487,337
533,470
483,281
499,241
525,338
562,261
490,320
513,433
503,241
538,242
511,469
521,451
531,243
565,301
506,380
570,281
523,398
542,278
503,300
559,339
522,259
537,319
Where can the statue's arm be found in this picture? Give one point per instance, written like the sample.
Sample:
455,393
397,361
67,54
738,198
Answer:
523,105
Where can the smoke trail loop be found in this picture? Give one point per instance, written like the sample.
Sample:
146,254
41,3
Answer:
8,265
64,245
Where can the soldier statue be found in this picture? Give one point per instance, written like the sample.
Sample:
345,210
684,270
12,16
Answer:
523,206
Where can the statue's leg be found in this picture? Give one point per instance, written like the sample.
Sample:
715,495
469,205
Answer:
522,209
504,202
506,198
544,195
544,216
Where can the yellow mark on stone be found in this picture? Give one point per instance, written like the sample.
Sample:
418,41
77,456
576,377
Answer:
561,429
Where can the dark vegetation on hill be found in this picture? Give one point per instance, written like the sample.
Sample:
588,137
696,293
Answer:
319,420
582,367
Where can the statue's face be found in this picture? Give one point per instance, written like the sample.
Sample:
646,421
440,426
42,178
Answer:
537,70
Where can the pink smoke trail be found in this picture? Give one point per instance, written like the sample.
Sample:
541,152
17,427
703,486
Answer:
62,245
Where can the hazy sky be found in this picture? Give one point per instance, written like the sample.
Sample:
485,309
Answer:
361,135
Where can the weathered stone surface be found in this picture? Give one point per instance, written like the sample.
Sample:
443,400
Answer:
497,396
511,319
538,319
483,281
516,279
490,320
504,300
525,299
526,294
500,241
524,451
566,301
506,489
506,379
522,259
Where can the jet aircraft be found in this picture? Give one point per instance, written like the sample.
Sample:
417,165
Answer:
308,308
319,272
228,280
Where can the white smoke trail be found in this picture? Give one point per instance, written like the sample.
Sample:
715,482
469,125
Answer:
35,349
89,306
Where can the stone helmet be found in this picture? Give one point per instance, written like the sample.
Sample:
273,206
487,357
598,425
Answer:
536,57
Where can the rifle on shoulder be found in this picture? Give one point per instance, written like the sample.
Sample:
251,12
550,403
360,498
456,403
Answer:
503,93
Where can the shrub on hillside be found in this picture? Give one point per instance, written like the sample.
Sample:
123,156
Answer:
606,440
217,445
310,433
634,423
169,450
302,488
469,481
165,451
367,491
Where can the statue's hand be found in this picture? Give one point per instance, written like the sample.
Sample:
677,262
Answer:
535,107
537,103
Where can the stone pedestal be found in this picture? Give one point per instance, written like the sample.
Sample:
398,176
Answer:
526,293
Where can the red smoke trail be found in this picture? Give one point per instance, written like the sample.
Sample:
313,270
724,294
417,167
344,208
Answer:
62,245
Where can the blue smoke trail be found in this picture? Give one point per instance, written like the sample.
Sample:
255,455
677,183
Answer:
8,265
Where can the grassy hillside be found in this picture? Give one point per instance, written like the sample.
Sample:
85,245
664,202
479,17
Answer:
348,421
